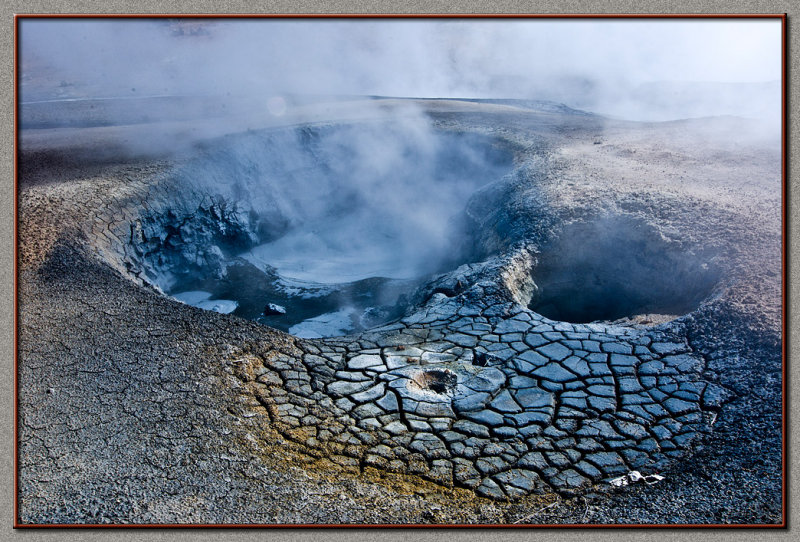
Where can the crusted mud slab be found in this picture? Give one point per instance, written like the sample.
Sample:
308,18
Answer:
613,305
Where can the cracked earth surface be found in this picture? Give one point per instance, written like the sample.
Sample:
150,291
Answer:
472,408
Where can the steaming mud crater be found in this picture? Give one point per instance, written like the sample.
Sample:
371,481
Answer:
568,327
335,224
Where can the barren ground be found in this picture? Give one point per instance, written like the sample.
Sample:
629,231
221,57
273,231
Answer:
136,408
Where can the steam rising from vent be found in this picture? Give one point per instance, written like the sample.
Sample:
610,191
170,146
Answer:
334,223
299,188
344,203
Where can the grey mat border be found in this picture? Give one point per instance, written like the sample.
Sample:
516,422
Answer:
371,6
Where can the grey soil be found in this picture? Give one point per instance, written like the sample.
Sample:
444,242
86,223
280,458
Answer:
134,408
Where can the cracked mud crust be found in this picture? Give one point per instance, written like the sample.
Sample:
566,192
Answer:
470,408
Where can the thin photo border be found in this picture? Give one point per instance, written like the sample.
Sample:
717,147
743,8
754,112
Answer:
18,18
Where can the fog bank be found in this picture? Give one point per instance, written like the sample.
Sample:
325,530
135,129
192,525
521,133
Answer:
633,69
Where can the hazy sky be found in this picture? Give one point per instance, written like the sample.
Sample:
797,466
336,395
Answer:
424,58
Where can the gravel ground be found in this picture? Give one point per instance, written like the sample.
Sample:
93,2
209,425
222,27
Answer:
131,412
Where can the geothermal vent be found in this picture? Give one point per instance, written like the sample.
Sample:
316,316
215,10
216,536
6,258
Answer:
318,231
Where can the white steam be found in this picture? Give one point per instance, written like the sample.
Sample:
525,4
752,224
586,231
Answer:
637,69
376,198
